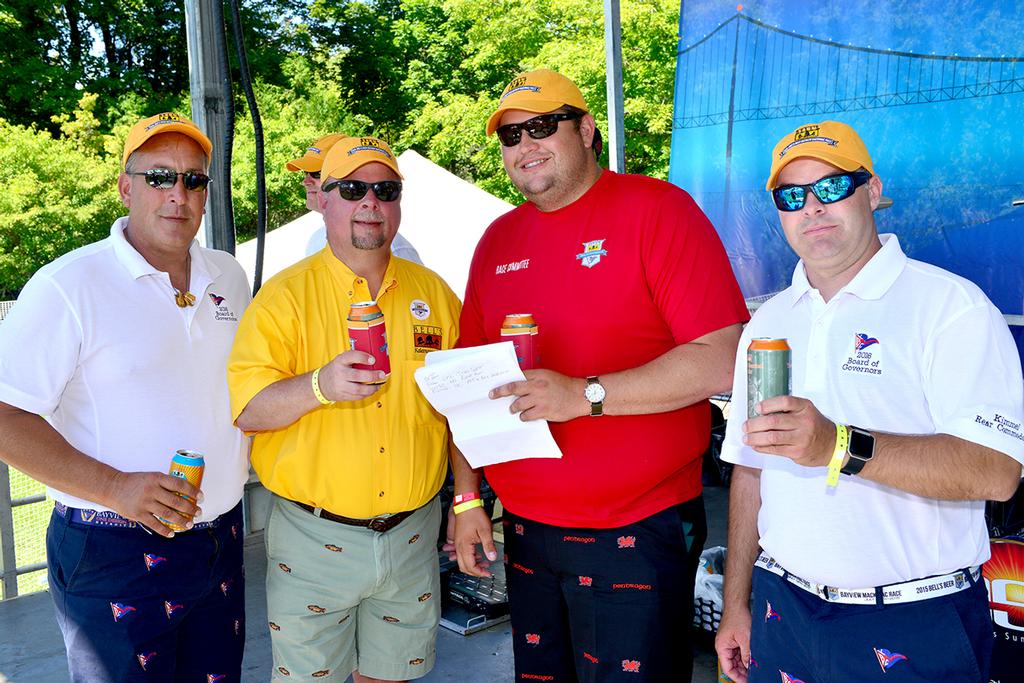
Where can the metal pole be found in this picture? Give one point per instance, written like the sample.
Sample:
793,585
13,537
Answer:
8,561
613,67
212,111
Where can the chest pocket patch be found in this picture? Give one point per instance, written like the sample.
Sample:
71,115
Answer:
426,338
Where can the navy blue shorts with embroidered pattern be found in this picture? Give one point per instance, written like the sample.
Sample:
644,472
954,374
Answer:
602,605
134,606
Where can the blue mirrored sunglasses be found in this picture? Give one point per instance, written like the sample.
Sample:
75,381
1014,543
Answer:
828,190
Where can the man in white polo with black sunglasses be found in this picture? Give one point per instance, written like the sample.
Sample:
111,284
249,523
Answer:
122,346
857,504
355,459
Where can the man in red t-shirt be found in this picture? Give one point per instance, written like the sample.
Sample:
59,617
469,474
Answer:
639,315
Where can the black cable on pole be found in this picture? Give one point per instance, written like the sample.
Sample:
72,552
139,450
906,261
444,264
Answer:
223,170
257,125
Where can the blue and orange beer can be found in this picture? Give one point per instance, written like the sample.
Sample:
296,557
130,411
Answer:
367,333
187,465
521,330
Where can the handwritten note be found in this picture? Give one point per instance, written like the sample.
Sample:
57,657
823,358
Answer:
456,383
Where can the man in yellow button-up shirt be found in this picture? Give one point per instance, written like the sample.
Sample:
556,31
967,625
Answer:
352,578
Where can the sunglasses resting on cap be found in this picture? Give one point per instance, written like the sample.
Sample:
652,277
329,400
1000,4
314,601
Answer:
538,128
354,190
828,190
165,179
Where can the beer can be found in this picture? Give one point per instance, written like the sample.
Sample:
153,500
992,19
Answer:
769,366
521,330
366,333
187,465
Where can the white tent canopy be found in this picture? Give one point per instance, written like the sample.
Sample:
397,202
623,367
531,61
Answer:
443,216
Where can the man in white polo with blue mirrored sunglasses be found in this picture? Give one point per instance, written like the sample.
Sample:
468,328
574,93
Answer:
857,504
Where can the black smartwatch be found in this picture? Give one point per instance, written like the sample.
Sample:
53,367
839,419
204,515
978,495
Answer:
861,450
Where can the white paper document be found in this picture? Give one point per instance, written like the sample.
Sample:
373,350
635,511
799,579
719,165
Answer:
456,383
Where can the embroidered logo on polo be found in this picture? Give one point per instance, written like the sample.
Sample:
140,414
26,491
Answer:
592,253
866,358
631,666
533,639
426,338
786,678
627,541
145,659
770,614
213,678
171,607
221,311
419,309
887,659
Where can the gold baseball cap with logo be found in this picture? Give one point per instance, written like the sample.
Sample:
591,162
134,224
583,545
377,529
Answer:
167,122
348,154
829,141
539,91
313,159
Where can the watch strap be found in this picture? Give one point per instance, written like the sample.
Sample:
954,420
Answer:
855,463
596,407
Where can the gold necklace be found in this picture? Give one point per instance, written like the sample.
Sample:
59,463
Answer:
186,298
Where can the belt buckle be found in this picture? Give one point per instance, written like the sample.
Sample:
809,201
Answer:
379,524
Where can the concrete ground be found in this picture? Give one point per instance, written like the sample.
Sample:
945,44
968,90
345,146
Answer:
31,649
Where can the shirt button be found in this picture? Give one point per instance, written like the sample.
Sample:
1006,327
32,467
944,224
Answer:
379,404
359,281
381,494
381,449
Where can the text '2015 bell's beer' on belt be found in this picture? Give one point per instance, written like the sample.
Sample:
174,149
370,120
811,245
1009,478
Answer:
187,465
521,330
366,333
769,366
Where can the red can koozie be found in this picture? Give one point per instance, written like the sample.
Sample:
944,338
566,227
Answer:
366,333
521,330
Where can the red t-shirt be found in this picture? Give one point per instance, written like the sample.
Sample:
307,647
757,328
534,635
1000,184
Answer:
614,280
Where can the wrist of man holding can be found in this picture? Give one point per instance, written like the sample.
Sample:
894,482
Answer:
315,381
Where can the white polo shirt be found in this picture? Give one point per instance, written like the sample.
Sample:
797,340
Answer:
97,344
904,348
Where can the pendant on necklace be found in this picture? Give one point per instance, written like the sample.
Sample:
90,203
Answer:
184,299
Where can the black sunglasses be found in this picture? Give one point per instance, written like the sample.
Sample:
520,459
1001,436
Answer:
538,128
165,179
354,190
828,190
315,175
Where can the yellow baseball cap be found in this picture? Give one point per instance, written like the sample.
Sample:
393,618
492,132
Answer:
537,91
348,154
313,159
830,141
168,122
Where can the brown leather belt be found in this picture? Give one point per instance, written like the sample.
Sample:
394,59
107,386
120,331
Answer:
378,524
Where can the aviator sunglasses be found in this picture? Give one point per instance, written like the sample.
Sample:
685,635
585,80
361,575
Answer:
354,190
828,190
538,128
165,179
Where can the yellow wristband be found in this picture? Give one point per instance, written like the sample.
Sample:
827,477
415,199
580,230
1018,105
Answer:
315,381
468,505
836,463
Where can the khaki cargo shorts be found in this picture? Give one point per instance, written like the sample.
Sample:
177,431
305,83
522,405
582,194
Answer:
343,598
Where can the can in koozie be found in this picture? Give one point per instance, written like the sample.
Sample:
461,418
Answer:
366,333
187,465
722,676
521,330
769,366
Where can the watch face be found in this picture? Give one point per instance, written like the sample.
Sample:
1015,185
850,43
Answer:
594,393
862,444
